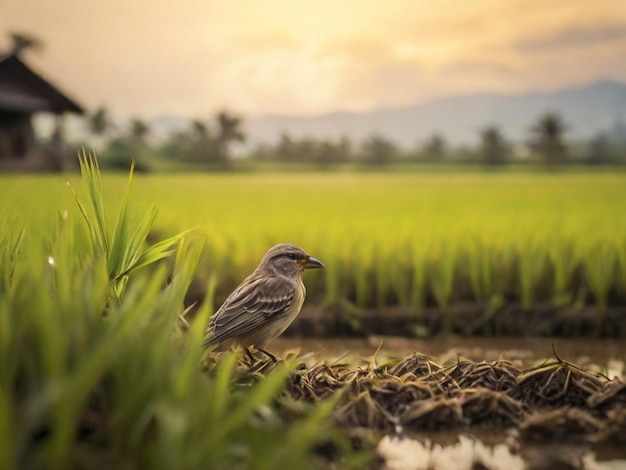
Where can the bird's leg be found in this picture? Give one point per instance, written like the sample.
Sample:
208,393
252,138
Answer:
270,355
252,359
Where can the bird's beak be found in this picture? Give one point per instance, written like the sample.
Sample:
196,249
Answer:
312,263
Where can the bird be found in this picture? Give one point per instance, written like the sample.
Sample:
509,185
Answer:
265,303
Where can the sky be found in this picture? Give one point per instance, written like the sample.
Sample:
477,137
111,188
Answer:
145,58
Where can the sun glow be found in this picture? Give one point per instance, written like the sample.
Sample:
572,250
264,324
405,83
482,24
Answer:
308,57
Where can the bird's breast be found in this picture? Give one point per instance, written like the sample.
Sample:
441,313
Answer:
299,300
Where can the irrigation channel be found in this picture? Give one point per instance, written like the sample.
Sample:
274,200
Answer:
473,403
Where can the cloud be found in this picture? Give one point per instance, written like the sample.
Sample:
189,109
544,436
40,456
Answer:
573,37
470,67
310,57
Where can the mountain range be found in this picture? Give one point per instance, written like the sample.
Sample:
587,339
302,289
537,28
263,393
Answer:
587,110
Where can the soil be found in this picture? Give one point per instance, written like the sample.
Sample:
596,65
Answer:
484,393
467,319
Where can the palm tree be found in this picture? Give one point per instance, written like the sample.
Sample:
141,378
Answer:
286,148
600,150
378,150
139,130
200,130
493,147
100,122
229,131
547,139
435,149
200,142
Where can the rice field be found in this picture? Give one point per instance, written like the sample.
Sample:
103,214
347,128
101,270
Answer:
102,368
407,240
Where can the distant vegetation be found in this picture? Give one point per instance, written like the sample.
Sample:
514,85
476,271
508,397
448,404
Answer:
208,145
205,144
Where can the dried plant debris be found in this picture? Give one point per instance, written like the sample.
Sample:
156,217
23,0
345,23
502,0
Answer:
562,424
614,429
555,400
611,394
418,365
499,376
557,384
493,409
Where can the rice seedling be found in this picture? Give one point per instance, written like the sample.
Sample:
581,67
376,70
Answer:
442,268
478,265
600,267
124,249
418,281
363,259
400,276
10,242
620,280
532,266
564,260
384,278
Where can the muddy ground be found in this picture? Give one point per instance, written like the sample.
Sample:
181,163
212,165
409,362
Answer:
539,388
513,411
467,319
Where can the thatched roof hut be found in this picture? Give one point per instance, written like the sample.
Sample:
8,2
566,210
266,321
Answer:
23,92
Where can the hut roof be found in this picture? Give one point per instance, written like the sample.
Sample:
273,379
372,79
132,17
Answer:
23,90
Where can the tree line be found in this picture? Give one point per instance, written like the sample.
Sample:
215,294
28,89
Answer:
202,142
208,143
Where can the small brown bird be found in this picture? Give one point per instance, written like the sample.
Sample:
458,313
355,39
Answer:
265,303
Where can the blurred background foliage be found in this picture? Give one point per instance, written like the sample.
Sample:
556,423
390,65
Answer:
213,145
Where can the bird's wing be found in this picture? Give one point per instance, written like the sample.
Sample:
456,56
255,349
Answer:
255,302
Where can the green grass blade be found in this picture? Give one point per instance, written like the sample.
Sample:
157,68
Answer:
122,233
156,252
92,182
135,244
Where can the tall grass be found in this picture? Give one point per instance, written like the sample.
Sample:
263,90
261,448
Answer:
98,370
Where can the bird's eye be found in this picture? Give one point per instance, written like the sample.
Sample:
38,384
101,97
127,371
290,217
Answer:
292,256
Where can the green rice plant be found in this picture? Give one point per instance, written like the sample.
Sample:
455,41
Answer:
87,383
442,270
10,242
621,268
503,263
332,277
532,265
418,279
600,264
124,250
363,274
400,275
358,224
331,274
565,260
487,271
477,260
384,265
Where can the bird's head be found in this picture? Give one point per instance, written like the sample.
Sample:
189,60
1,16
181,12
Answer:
288,260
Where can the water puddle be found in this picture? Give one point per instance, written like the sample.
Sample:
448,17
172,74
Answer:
470,453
